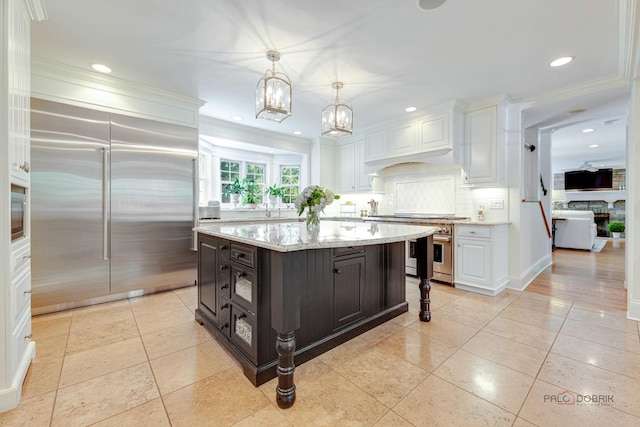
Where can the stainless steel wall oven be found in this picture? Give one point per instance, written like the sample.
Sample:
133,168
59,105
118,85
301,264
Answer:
18,211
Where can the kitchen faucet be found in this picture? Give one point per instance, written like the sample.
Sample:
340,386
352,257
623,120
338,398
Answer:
374,207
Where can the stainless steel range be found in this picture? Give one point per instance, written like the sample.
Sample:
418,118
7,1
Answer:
443,262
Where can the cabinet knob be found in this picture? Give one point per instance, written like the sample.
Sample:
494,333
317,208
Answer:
223,306
222,267
242,316
28,337
472,232
238,255
337,270
225,286
27,292
224,247
26,257
224,325
25,167
239,274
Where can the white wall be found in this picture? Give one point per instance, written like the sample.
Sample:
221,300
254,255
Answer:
633,206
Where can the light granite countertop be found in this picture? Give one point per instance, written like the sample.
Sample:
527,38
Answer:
483,222
292,235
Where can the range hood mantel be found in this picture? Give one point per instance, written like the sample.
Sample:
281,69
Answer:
436,157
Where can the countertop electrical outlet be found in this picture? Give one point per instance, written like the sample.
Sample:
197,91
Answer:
496,204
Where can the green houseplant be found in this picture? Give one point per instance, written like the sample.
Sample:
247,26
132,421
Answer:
615,228
251,194
274,192
234,190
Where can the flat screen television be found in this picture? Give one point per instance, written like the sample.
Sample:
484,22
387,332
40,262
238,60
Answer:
602,179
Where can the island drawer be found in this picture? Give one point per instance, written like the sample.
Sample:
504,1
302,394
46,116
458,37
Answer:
224,309
243,331
224,279
224,250
478,231
348,250
245,255
244,288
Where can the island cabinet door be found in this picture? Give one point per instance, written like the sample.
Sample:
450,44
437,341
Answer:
208,263
244,287
348,287
243,331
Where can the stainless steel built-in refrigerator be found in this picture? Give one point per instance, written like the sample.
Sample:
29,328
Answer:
112,205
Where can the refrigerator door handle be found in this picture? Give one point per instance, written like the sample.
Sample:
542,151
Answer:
105,205
196,194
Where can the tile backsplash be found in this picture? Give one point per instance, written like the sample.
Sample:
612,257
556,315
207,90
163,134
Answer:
423,188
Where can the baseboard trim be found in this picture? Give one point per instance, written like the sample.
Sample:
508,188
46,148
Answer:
528,276
10,397
633,310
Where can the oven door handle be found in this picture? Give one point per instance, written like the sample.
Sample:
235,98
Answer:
441,238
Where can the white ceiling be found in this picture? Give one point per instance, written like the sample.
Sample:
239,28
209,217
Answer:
389,54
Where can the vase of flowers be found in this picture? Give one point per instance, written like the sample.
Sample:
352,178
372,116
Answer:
314,199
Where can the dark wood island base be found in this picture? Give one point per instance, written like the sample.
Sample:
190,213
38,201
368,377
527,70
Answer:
267,307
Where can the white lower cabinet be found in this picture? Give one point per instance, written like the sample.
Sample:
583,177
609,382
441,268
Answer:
481,258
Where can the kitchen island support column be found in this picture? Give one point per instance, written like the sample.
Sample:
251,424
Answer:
424,270
288,269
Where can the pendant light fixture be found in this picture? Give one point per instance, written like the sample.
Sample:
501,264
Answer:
273,93
337,116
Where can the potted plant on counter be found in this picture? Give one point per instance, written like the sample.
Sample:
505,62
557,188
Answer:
234,190
251,194
274,192
615,228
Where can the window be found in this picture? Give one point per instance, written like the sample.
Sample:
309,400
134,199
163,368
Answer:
229,172
255,173
205,179
290,179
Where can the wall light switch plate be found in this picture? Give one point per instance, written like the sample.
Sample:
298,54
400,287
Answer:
496,204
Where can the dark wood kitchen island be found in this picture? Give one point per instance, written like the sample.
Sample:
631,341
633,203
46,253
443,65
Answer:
269,291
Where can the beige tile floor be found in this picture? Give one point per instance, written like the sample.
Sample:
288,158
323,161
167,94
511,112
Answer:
480,361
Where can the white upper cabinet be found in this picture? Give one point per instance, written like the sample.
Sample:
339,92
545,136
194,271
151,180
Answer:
363,179
376,147
346,162
19,25
402,139
352,176
435,136
485,150
434,133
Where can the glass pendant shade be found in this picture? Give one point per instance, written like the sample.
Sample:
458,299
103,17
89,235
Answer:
273,93
337,116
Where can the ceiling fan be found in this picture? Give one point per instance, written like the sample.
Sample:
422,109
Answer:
587,166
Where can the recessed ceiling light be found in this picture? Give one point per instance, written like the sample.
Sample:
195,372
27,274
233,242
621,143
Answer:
561,61
587,130
237,118
410,109
576,111
101,68
594,146
297,132
429,4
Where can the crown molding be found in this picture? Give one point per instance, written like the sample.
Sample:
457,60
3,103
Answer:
581,89
218,128
628,33
37,10
58,82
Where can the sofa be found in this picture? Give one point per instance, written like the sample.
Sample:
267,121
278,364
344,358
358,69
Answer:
575,229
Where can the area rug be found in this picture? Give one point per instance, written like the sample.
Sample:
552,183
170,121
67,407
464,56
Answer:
598,245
